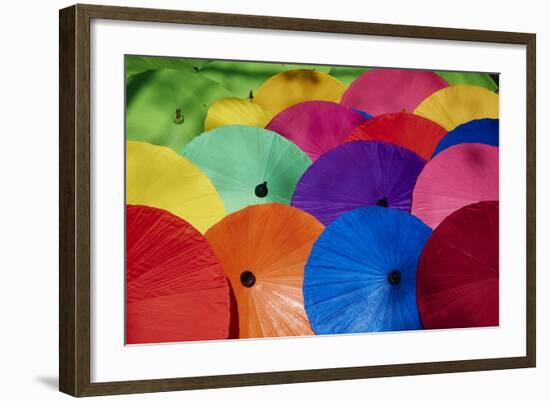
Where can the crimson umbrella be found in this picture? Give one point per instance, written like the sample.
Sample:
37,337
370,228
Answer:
388,90
176,289
460,175
457,279
405,129
316,126
358,174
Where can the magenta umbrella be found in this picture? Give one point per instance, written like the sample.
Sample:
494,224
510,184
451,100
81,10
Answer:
388,90
316,126
458,176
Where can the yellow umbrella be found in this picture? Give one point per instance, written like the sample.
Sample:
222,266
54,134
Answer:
157,176
295,86
458,104
236,111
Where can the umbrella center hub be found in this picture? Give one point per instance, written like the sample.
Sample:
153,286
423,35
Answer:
248,278
382,202
261,190
394,277
178,117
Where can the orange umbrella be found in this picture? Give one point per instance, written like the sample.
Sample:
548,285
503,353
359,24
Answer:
263,250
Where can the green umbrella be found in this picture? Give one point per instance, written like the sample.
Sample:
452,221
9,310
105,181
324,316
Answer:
243,78
167,107
468,78
347,75
137,64
314,67
248,165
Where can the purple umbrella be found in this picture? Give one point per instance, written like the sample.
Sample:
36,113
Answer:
316,126
358,174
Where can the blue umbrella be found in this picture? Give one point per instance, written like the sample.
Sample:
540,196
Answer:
361,273
484,131
365,115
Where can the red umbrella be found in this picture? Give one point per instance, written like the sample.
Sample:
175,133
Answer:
405,129
457,278
176,289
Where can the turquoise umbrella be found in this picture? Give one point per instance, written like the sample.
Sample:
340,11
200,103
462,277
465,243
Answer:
248,165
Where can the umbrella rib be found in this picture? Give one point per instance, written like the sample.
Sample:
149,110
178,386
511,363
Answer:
340,269
461,287
377,312
334,313
340,196
463,251
349,292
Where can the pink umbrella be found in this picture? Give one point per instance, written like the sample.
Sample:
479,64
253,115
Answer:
458,176
388,90
316,126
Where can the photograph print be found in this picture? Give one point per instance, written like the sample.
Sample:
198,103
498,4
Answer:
271,199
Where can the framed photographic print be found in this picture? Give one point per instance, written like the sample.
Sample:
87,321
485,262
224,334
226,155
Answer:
250,200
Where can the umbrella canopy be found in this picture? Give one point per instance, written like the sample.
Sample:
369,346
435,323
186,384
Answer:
458,270
243,78
136,64
296,86
316,126
484,131
248,165
404,129
387,90
361,274
233,111
458,104
459,176
263,249
366,115
358,174
176,289
469,78
167,107
157,176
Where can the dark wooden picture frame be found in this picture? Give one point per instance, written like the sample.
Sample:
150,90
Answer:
74,199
